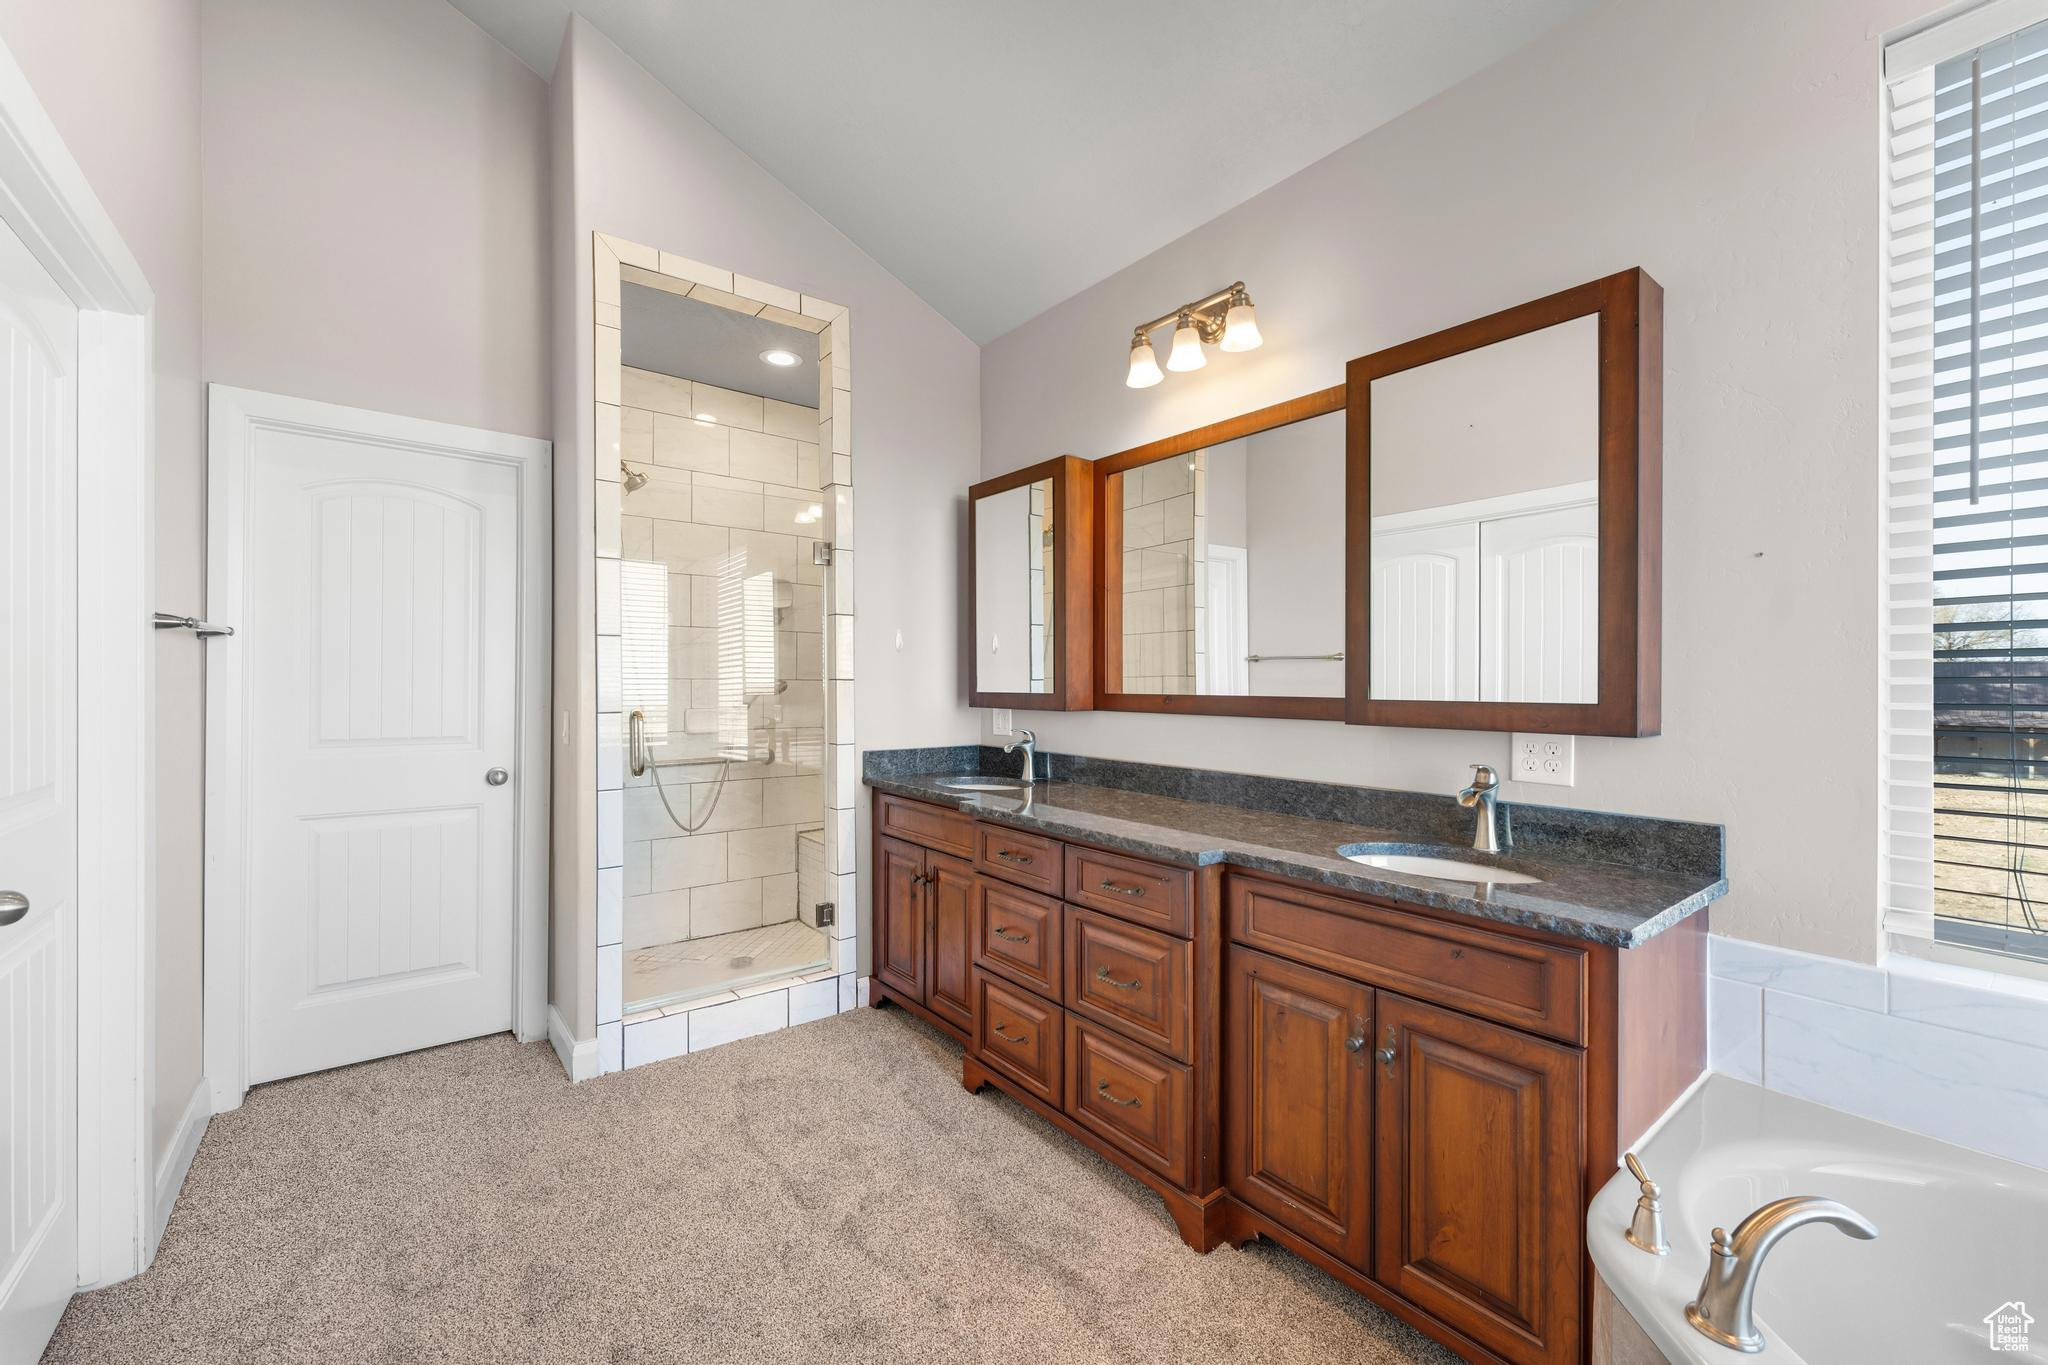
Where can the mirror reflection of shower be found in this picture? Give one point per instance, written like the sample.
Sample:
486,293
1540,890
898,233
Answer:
722,631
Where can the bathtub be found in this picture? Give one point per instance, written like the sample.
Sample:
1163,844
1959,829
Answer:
1960,1236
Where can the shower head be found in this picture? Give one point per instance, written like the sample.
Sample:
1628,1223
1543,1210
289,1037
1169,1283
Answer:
632,478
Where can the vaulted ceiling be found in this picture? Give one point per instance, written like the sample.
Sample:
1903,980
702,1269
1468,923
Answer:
1000,157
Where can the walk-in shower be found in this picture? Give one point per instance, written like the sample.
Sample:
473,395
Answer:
721,640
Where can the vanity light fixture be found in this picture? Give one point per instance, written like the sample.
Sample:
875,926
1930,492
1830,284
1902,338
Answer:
1225,318
779,358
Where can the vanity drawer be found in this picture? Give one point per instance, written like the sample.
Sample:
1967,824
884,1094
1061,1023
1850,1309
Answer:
1019,1035
1135,980
1535,986
1027,859
933,826
1144,892
1132,1097
1017,934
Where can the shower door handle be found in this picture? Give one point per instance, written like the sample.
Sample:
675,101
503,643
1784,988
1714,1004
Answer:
497,777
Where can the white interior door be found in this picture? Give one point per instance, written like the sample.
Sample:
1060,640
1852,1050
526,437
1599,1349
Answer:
38,803
1540,613
1425,613
380,624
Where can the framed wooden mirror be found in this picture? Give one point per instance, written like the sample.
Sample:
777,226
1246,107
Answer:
1030,587
1221,567
1505,513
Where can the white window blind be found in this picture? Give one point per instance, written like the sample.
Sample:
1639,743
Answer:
1965,683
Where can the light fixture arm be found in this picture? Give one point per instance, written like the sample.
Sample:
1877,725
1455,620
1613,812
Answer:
1206,313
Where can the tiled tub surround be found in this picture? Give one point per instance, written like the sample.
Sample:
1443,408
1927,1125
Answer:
723,478
1611,879
1950,1052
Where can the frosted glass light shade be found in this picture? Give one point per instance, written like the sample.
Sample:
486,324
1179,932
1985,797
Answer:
1145,370
1187,349
1240,329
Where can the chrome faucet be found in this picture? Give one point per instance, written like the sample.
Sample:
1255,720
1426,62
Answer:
1646,1229
1028,742
1723,1311
1480,796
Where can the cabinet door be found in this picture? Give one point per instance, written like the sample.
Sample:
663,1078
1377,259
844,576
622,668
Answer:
1478,1212
949,985
901,928
1297,1123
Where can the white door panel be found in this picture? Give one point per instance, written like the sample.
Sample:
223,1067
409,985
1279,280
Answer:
38,803
1540,618
1425,614
381,628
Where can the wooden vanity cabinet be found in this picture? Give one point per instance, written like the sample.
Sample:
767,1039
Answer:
1297,1101
1483,1231
1418,1102
924,928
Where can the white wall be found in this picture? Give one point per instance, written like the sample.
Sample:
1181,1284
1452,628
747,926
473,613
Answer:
376,219
120,79
1731,150
646,167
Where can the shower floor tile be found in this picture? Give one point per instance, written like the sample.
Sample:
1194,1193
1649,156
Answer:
671,973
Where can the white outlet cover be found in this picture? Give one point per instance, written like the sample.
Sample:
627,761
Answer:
1000,720
1548,759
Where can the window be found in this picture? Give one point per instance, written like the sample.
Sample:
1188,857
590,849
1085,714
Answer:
1965,786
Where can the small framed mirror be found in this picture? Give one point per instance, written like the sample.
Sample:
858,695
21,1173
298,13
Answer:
1030,561
1222,571
1506,519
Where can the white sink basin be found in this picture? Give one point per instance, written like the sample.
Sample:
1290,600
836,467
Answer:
983,784
1444,869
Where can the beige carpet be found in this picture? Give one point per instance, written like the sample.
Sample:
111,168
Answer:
829,1193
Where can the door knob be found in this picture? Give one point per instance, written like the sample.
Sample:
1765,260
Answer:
497,777
13,905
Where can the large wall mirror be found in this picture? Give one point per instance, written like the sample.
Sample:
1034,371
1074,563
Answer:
1222,571
1505,478
1030,556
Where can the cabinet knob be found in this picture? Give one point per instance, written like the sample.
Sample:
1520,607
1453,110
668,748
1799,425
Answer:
1387,1054
1355,1043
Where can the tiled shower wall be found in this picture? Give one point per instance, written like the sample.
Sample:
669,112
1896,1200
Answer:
731,479
1161,540
769,1005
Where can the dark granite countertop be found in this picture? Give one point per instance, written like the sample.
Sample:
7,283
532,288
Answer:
1578,897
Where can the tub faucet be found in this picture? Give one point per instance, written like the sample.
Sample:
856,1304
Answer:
1028,742
1646,1229
1722,1312
1480,796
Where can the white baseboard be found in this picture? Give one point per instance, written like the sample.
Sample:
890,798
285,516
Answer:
176,1162
578,1059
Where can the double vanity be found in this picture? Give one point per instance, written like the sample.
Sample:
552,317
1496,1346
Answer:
1414,1079
1405,1036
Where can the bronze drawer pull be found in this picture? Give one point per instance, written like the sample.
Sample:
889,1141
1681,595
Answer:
1102,975
1102,1089
1021,859
1012,935
1007,1037
1108,885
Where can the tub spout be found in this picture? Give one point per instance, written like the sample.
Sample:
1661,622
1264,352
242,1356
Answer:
1723,1311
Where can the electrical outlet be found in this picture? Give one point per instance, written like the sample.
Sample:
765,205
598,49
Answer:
1544,758
1000,720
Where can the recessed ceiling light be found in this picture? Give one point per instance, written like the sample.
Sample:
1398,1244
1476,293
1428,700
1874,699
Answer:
782,358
